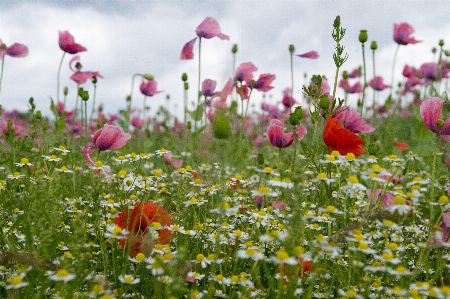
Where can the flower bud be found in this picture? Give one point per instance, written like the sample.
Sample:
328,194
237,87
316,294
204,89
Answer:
291,49
78,66
337,22
440,123
373,45
324,102
128,98
94,79
434,50
441,42
260,159
373,149
447,53
345,74
184,77
234,49
293,119
66,90
363,36
189,125
186,86
221,125
148,77
38,115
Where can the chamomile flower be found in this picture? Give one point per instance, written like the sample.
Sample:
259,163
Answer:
16,282
128,279
62,275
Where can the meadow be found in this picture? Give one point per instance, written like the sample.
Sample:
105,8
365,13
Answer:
302,198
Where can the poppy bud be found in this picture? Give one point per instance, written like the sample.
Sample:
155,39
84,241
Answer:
337,22
186,86
363,36
373,45
293,119
345,74
148,77
260,159
78,66
128,98
324,102
94,79
31,101
434,50
373,149
447,53
38,115
234,49
184,77
291,49
440,123
441,42
66,90
189,125
299,112
221,125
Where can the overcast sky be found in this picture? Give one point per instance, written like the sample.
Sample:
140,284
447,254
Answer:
128,37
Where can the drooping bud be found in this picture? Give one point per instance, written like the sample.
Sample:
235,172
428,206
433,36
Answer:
434,50
78,66
447,53
291,49
66,90
324,102
148,77
184,77
363,36
373,45
94,79
234,49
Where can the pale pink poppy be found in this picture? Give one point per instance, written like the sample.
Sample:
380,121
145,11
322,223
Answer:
431,113
149,88
244,72
208,87
378,84
352,120
402,34
263,82
310,55
15,50
187,52
81,77
68,45
276,135
355,88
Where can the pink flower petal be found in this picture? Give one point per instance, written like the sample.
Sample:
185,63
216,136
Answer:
210,28
310,55
17,50
67,43
187,53
430,111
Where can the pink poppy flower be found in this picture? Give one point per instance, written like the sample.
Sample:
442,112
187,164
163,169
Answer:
301,131
352,120
109,137
402,34
175,163
81,77
410,72
263,82
431,113
208,87
276,135
355,73
377,83
68,45
355,88
227,90
438,237
15,50
278,204
244,72
148,88
187,52
310,55
208,29
243,91
429,71
287,101
137,122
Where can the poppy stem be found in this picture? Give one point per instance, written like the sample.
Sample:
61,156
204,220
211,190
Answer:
1,73
365,80
374,83
199,77
393,69
57,78
291,100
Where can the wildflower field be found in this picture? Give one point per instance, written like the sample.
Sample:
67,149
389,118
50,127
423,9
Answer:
304,198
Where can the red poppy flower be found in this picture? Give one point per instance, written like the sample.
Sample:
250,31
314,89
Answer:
137,223
401,146
300,269
338,138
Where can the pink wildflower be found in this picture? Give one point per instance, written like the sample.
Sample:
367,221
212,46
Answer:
148,88
402,34
208,87
431,113
310,55
15,50
287,101
352,120
355,88
244,72
438,237
429,71
68,45
187,52
81,77
278,204
276,135
263,82
377,84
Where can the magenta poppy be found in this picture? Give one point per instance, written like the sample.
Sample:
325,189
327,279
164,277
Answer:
377,83
244,72
149,88
208,29
68,45
310,55
352,120
227,90
287,101
355,88
208,87
429,71
402,34
81,77
15,50
263,82
431,113
276,135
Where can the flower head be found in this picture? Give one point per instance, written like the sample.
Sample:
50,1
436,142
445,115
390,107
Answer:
68,45
82,77
276,135
355,88
377,84
338,138
15,50
244,72
443,233
310,55
263,82
187,52
208,87
210,28
149,88
110,137
352,120
431,112
402,34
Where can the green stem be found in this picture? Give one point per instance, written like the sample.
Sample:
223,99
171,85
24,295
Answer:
292,83
374,114
393,69
1,73
295,148
365,80
93,103
57,78
199,76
